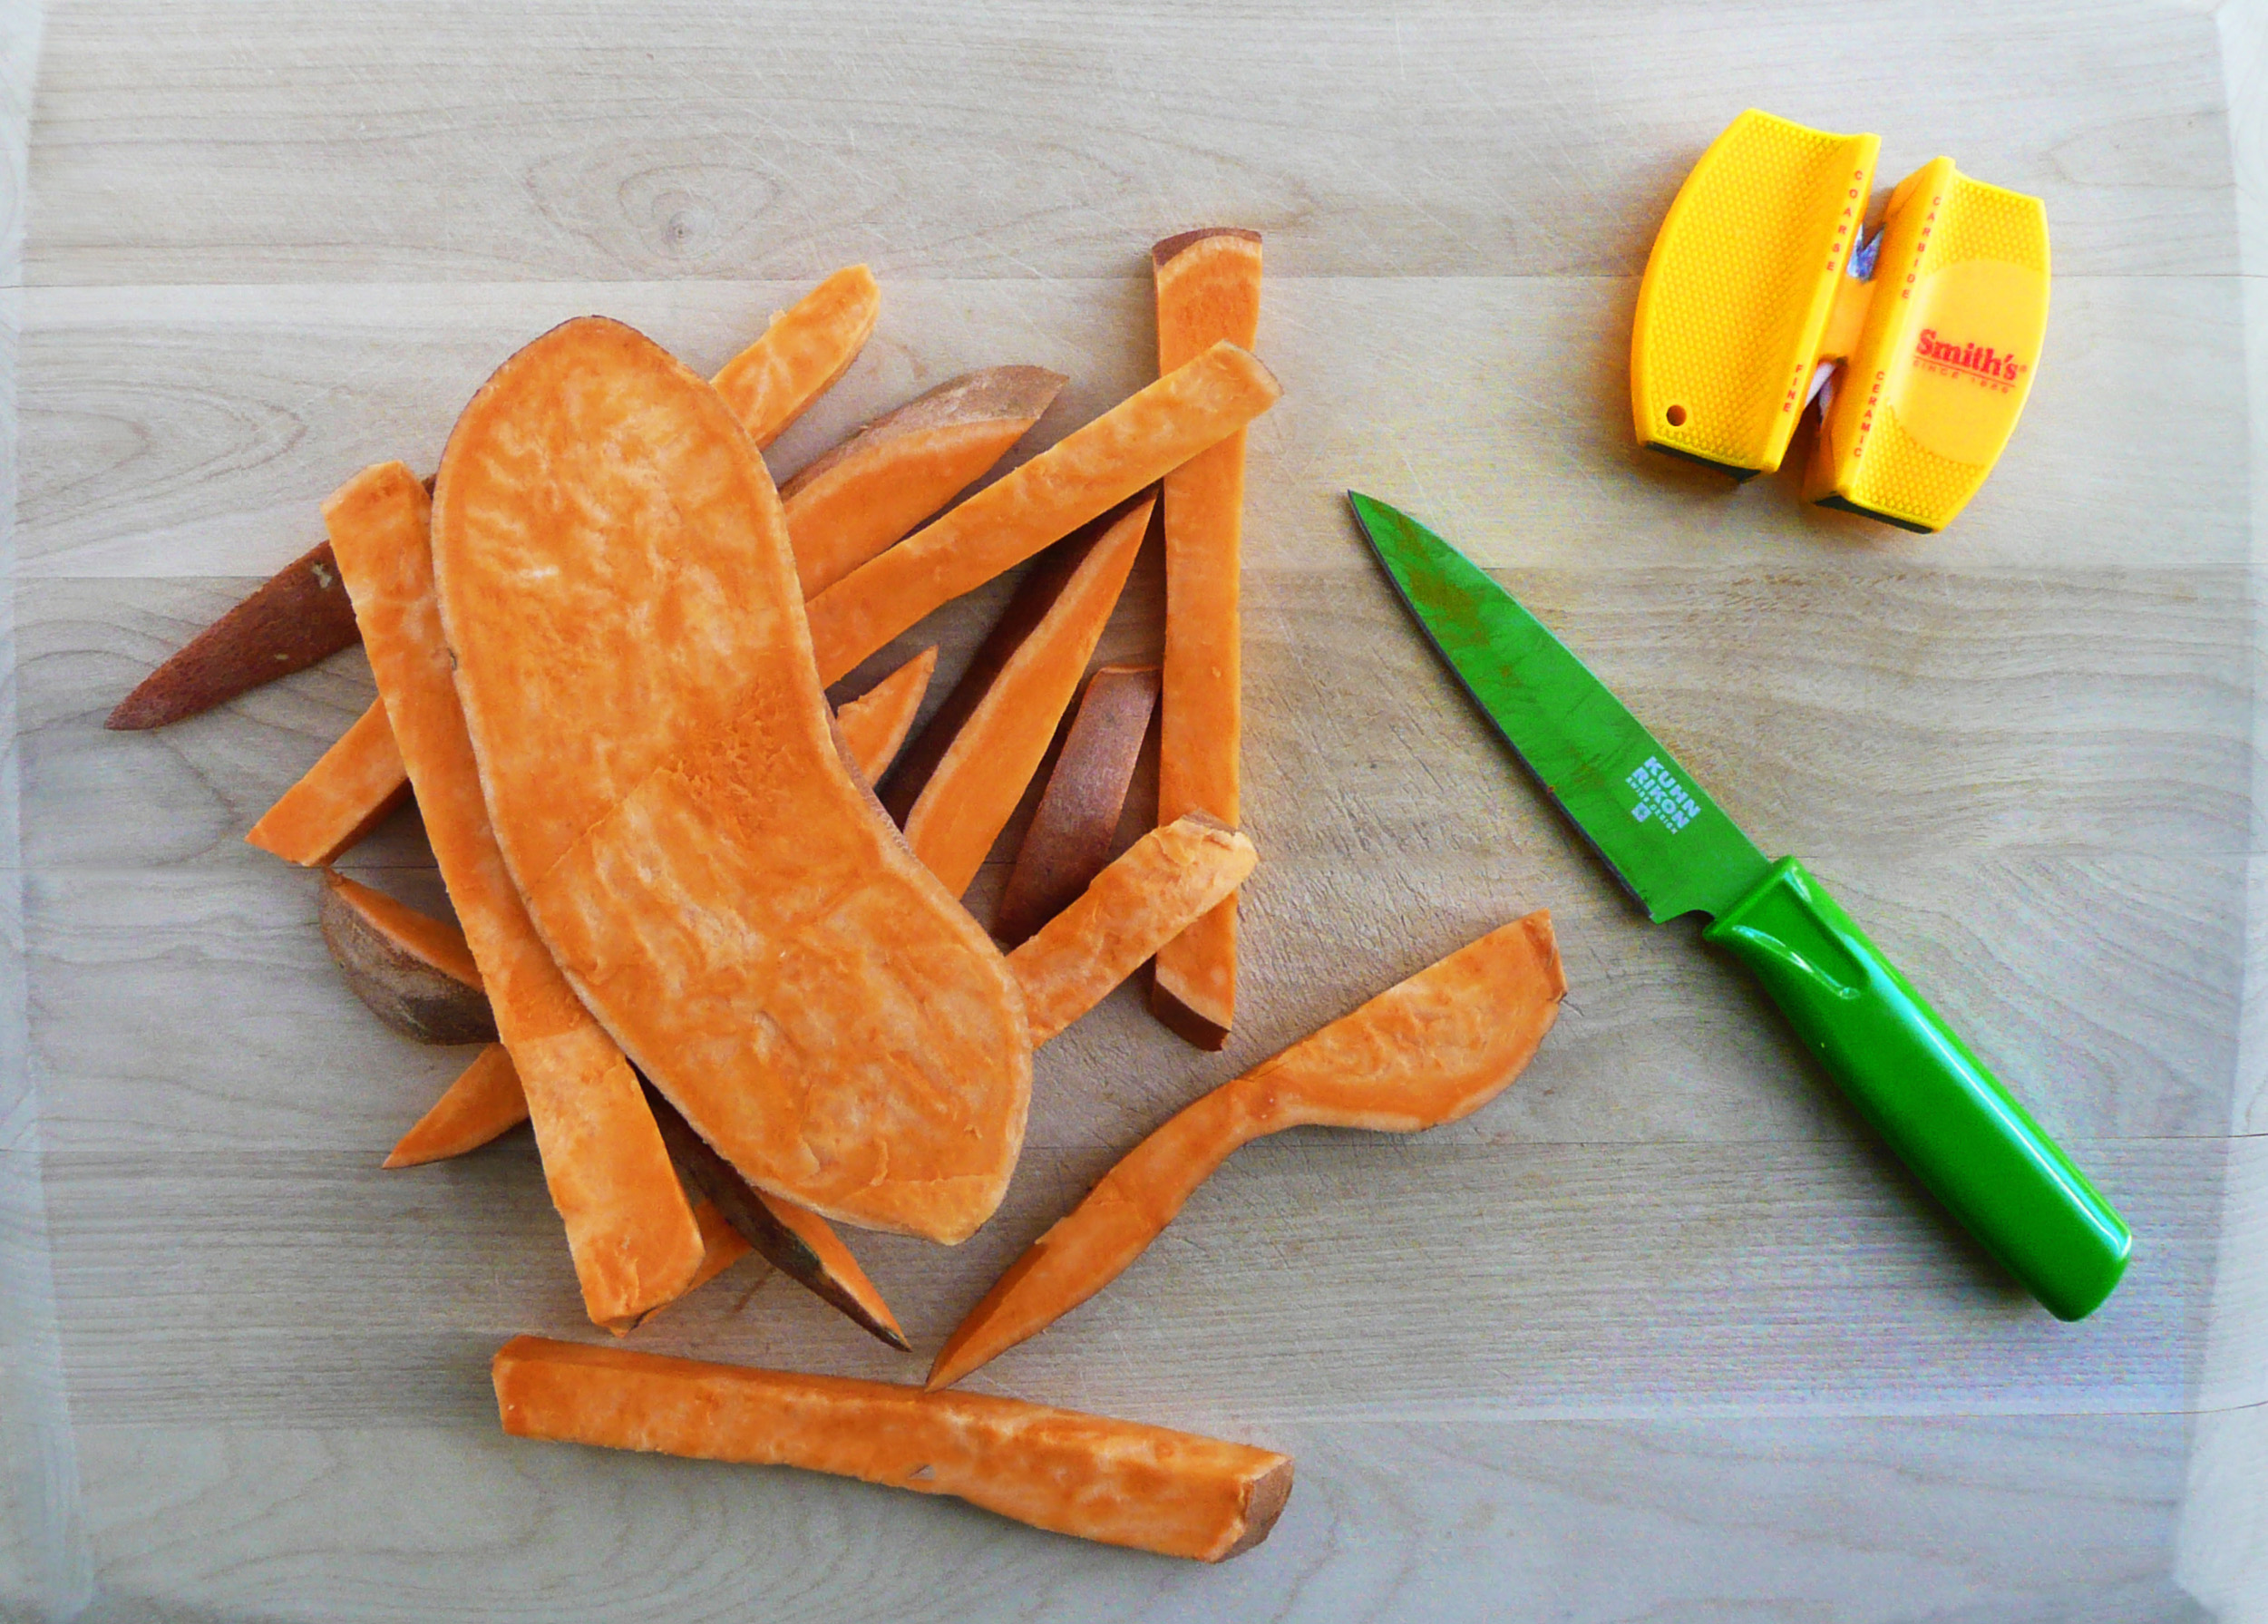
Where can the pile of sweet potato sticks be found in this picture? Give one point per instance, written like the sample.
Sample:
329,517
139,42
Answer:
734,992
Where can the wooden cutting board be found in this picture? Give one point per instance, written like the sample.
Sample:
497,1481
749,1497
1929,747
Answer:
1661,1333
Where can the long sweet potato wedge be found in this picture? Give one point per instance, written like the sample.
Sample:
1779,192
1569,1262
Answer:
1207,290
628,1227
351,787
414,972
1072,830
972,794
661,772
1433,1048
903,466
1117,1481
804,350
876,723
483,1104
1080,478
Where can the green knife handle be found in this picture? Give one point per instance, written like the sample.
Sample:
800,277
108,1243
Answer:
1953,1125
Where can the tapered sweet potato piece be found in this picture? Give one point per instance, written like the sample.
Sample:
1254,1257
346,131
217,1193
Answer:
1207,290
1080,478
722,1246
483,1104
876,724
662,776
901,467
299,616
1117,1481
631,1233
805,349
1436,1048
1167,877
351,787
972,794
1072,830
412,970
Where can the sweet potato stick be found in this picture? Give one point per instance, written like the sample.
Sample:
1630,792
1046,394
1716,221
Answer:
414,972
976,787
805,349
1436,1048
876,724
352,786
628,1227
722,1246
903,466
1207,290
1117,1481
1070,837
484,1103
1080,478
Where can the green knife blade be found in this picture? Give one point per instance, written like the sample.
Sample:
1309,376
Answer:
1963,1135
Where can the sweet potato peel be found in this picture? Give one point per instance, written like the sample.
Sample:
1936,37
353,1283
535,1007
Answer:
875,723
483,1104
351,786
973,791
1430,1050
1117,1481
414,972
663,779
1080,478
628,1227
801,353
1072,830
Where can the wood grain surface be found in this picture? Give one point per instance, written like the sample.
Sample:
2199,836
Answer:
1661,1333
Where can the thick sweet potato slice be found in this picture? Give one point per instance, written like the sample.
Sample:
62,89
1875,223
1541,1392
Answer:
299,616
483,1104
1436,1048
972,794
875,723
1166,879
412,970
631,1233
901,467
1208,288
662,776
1071,834
1117,1481
342,798
1081,476
805,349
722,1246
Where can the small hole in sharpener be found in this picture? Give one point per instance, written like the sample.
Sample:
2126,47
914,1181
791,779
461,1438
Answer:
1675,414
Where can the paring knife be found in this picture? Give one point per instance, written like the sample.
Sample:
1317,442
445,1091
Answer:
1677,852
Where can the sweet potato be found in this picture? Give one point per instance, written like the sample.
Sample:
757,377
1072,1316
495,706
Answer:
1166,879
903,466
299,616
875,723
805,349
351,787
484,1103
1436,1048
1117,1481
972,794
1080,478
1207,290
722,1246
628,1227
795,1241
662,776
414,971
1072,830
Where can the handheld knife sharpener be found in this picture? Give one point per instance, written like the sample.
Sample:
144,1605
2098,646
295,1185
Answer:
1764,291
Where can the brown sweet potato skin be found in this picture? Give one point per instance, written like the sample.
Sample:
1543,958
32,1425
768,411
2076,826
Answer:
483,1104
414,972
801,353
1117,1481
1071,833
348,791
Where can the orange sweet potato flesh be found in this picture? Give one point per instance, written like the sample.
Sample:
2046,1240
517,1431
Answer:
806,348
1433,1048
1207,290
1117,1481
483,1104
1136,904
342,798
875,725
1072,830
973,791
628,1227
901,467
1081,476
661,772
414,971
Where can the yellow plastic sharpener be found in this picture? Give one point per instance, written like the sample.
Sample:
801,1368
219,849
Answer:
1748,295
